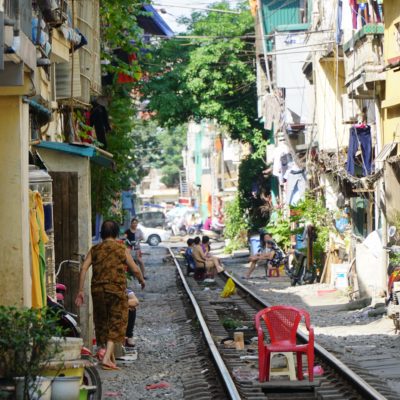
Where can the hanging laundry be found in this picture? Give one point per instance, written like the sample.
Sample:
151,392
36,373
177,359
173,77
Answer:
358,9
354,12
360,135
339,17
296,183
377,7
38,239
281,161
99,119
89,134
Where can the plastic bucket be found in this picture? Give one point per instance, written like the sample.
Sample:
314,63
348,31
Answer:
40,390
339,275
66,388
254,245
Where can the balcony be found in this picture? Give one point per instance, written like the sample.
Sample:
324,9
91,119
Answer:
364,61
18,14
17,41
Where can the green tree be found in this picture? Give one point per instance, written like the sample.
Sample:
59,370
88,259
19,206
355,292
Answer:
171,143
119,30
235,226
212,76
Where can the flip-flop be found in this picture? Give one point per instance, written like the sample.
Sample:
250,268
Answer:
110,367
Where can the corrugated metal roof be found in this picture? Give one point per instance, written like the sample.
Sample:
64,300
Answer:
280,12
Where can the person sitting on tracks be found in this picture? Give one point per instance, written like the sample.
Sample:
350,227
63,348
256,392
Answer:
110,306
133,303
205,245
270,255
189,255
203,259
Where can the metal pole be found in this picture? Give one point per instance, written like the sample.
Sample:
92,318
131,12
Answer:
264,44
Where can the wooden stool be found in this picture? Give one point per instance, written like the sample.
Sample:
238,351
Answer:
289,370
273,272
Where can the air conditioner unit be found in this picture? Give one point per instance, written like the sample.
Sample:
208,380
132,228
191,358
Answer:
350,109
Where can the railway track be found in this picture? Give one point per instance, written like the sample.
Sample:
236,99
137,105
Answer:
238,370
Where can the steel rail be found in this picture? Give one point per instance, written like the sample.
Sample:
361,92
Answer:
229,384
364,387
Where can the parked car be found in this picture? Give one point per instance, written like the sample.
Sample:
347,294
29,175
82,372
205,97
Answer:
154,236
152,219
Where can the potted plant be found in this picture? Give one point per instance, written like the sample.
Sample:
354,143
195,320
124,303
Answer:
25,335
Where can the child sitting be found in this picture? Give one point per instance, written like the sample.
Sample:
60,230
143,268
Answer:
133,302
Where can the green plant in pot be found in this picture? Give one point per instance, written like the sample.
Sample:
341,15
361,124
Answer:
25,350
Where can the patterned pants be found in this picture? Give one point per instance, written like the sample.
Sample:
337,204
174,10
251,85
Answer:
110,315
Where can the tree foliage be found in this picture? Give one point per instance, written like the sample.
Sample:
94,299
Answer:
253,188
119,30
171,142
209,77
235,226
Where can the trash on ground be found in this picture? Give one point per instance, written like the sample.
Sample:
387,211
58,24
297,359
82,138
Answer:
249,357
159,385
245,374
112,394
132,356
229,288
318,371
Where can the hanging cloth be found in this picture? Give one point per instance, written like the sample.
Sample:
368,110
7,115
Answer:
38,239
354,12
360,136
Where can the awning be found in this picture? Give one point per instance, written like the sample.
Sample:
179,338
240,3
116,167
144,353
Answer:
96,155
389,150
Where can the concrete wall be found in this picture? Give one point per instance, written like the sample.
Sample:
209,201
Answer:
391,105
299,101
329,104
392,192
63,162
16,284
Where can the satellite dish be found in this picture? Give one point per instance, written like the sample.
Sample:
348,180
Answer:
391,231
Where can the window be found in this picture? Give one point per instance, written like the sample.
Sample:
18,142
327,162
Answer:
206,161
397,35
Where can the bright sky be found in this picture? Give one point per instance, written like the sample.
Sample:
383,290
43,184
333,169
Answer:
175,12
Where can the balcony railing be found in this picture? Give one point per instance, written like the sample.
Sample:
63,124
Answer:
364,60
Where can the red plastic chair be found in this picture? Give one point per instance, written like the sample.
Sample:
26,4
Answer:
282,323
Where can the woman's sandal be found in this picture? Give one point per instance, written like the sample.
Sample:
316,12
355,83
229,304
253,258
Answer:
110,367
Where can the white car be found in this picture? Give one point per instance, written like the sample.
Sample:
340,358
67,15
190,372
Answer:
154,236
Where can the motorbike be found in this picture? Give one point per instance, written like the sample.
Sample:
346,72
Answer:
393,293
297,269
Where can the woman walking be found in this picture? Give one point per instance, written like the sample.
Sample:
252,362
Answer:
110,304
